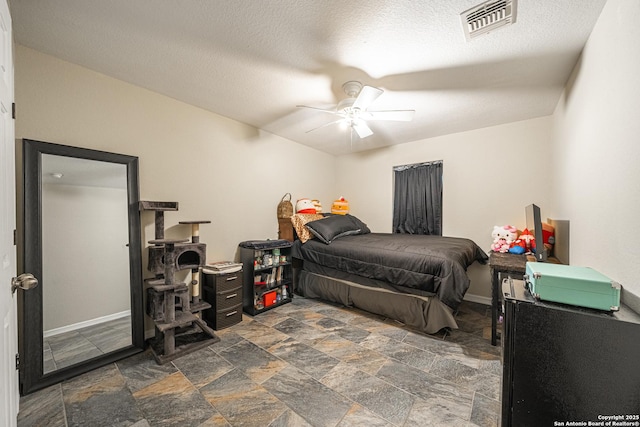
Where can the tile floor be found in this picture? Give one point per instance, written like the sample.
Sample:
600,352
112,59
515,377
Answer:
307,363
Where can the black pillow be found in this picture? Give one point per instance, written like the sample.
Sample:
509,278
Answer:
335,226
363,227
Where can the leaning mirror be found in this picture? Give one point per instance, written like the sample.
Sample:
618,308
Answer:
82,243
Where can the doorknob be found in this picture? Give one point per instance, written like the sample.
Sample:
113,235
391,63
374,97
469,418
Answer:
24,281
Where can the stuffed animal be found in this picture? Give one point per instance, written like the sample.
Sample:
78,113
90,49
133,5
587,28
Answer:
503,237
340,206
305,206
517,247
529,240
548,236
317,205
500,245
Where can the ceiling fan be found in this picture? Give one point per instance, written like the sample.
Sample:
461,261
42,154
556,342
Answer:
353,110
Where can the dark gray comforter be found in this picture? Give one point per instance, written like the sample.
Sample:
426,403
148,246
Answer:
429,264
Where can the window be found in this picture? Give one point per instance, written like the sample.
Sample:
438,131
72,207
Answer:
417,198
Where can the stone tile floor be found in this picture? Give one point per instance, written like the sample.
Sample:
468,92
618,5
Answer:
307,363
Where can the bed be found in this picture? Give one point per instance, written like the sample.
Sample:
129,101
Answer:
415,279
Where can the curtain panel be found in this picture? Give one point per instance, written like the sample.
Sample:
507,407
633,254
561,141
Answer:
417,199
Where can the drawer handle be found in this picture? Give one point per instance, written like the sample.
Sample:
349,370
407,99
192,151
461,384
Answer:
232,313
231,278
231,296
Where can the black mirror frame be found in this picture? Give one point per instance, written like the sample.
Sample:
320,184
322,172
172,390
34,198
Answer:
30,333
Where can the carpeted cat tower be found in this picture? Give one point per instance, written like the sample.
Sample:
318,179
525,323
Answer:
175,307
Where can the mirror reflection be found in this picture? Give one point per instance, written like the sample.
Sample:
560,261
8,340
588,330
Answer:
86,303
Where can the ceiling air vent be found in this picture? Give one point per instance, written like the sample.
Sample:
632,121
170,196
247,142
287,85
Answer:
487,17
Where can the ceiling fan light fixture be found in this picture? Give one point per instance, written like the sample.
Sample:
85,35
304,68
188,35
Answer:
354,110
345,105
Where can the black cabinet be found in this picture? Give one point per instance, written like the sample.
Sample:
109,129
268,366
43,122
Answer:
224,292
268,274
567,364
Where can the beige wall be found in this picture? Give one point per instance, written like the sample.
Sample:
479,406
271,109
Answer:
489,177
216,168
597,148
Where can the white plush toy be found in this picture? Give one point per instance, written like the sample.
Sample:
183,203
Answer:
305,206
503,236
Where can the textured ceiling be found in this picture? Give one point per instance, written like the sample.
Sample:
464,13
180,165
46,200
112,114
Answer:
255,60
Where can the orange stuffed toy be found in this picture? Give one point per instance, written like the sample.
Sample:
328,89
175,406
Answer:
340,206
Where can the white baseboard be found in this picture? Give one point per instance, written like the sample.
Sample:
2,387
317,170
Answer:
80,325
478,298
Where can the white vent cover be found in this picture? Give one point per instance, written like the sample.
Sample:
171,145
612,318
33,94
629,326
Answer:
487,17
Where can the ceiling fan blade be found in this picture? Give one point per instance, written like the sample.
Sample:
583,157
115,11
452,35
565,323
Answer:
325,125
397,115
367,95
326,110
361,129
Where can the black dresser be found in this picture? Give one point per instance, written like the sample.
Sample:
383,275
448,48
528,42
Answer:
224,292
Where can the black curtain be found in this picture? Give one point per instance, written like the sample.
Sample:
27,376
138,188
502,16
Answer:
417,199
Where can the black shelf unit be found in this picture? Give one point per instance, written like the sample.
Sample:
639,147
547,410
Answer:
268,275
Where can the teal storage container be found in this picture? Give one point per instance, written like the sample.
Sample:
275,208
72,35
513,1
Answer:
567,284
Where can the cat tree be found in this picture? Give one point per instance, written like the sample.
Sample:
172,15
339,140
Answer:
175,307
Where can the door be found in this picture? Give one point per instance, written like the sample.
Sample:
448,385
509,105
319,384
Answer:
8,327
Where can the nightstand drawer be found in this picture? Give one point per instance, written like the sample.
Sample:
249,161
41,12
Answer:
228,298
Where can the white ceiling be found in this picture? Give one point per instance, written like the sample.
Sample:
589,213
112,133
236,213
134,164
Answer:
255,60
